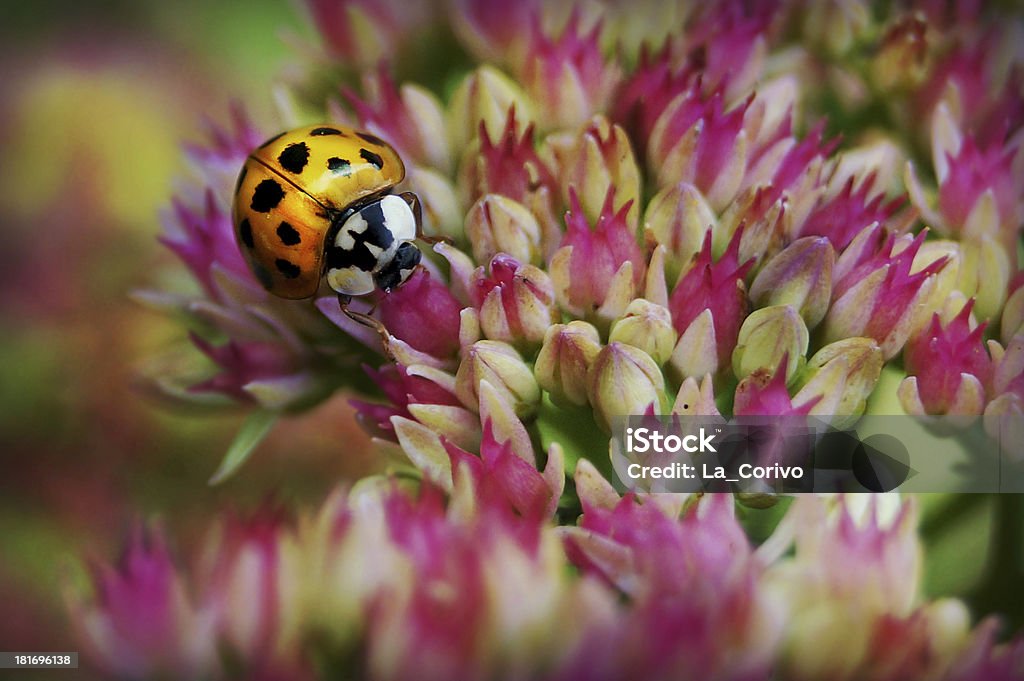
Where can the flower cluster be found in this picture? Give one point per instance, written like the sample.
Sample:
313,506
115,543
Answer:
385,583
671,228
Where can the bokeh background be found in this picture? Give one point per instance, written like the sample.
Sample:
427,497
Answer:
96,100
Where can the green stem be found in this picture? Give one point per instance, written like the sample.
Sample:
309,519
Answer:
937,522
1000,591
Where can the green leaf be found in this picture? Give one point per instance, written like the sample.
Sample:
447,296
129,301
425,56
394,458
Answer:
574,429
252,432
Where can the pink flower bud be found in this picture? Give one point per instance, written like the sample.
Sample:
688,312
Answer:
717,287
366,32
840,217
568,76
647,92
252,589
516,302
205,241
510,166
763,393
243,364
423,313
494,31
948,366
876,292
142,622
699,142
585,273
401,388
501,476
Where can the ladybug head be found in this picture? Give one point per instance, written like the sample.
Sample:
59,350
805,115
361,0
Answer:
372,247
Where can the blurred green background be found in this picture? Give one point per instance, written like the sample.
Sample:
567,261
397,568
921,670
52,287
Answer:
95,100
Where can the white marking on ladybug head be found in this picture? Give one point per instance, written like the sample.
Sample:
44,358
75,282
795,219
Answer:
354,225
350,281
399,218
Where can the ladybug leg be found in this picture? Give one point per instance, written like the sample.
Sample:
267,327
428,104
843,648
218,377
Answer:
367,321
417,210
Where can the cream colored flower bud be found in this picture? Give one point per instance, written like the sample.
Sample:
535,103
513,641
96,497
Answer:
837,26
500,365
596,159
1004,422
624,381
485,94
768,335
984,275
800,276
841,377
944,284
1013,316
497,224
902,61
696,352
677,218
442,214
564,360
646,326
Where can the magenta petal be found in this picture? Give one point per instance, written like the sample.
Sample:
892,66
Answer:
715,286
843,216
242,363
647,93
208,239
764,394
599,251
503,480
510,165
939,355
424,314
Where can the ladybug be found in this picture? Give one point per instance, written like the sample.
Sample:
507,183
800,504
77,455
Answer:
317,202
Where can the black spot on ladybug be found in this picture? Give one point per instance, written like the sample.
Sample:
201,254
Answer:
241,178
294,157
245,233
272,140
372,158
318,132
288,269
372,139
266,197
377,231
263,276
338,165
359,257
287,234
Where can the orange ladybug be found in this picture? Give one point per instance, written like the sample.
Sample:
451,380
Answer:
316,201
